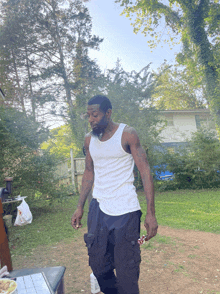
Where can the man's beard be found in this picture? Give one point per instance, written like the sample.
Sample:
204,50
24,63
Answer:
100,128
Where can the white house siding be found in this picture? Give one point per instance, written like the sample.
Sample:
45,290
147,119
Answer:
181,124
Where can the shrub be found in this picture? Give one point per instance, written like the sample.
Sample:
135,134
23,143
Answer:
197,166
33,172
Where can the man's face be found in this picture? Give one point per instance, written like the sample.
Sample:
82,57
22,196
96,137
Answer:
97,119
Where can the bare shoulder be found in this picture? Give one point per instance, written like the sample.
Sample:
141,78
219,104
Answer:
130,130
88,136
130,134
87,140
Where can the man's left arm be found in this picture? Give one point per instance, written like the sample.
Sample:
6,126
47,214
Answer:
142,164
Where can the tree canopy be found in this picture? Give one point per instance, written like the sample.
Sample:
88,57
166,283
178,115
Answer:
20,138
44,55
177,89
60,142
196,23
130,94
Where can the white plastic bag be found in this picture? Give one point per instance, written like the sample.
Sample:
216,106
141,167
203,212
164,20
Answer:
4,271
24,215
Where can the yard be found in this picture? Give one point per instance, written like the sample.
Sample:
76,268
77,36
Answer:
183,258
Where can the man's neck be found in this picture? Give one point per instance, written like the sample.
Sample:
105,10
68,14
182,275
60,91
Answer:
109,129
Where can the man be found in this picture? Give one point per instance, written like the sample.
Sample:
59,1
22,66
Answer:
114,212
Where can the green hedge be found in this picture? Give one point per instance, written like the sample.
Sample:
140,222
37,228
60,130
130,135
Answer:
197,166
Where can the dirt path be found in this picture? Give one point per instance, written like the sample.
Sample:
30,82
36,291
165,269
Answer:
179,262
189,264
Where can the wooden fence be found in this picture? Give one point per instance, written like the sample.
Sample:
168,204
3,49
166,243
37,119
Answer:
72,175
63,173
70,172
78,170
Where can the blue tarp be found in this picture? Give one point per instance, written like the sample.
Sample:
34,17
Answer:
164,175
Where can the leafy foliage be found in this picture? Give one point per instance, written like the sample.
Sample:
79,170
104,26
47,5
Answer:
198,166
60,142
178,89
21,128
44,51
130,94
33,172
196,24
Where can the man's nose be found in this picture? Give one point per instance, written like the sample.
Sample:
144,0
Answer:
90,119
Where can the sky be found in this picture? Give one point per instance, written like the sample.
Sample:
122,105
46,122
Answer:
121,42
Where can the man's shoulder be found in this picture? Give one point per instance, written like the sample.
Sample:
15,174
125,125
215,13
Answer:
129,136
88,135
129,130
87,139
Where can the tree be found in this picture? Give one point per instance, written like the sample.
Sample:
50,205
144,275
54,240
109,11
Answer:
198,25
60,142
33,172
18,52
176,89
87,78
40,41
130,94
198,165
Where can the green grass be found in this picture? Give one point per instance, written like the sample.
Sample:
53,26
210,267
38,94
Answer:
194,210
51,224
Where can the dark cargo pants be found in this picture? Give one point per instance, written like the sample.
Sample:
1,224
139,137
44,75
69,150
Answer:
112,244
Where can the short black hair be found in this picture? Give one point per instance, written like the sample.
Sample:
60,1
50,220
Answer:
103,102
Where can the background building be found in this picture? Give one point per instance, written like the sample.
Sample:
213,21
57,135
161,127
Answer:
182,123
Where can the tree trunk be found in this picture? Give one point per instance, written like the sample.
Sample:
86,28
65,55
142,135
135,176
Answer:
200,39
21,99
33,104
63,69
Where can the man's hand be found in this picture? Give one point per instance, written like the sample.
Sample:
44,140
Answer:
76,218
151,226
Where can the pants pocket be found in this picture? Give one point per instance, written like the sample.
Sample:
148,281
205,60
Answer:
96,251
90,240
133,249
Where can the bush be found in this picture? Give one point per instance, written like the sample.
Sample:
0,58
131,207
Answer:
155,157
35,176
33,172
197,166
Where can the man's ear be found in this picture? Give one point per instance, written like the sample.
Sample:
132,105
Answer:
109,113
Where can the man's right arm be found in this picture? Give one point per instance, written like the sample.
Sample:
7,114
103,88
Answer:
87,183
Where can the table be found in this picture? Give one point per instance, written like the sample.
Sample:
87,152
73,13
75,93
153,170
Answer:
54,275
33,284
12,200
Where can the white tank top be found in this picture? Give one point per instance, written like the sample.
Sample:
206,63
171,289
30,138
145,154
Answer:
113,169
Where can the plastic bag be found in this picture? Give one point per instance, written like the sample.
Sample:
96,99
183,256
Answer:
4,271
24,215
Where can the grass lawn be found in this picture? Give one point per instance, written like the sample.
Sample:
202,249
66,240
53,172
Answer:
51,224
196,210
